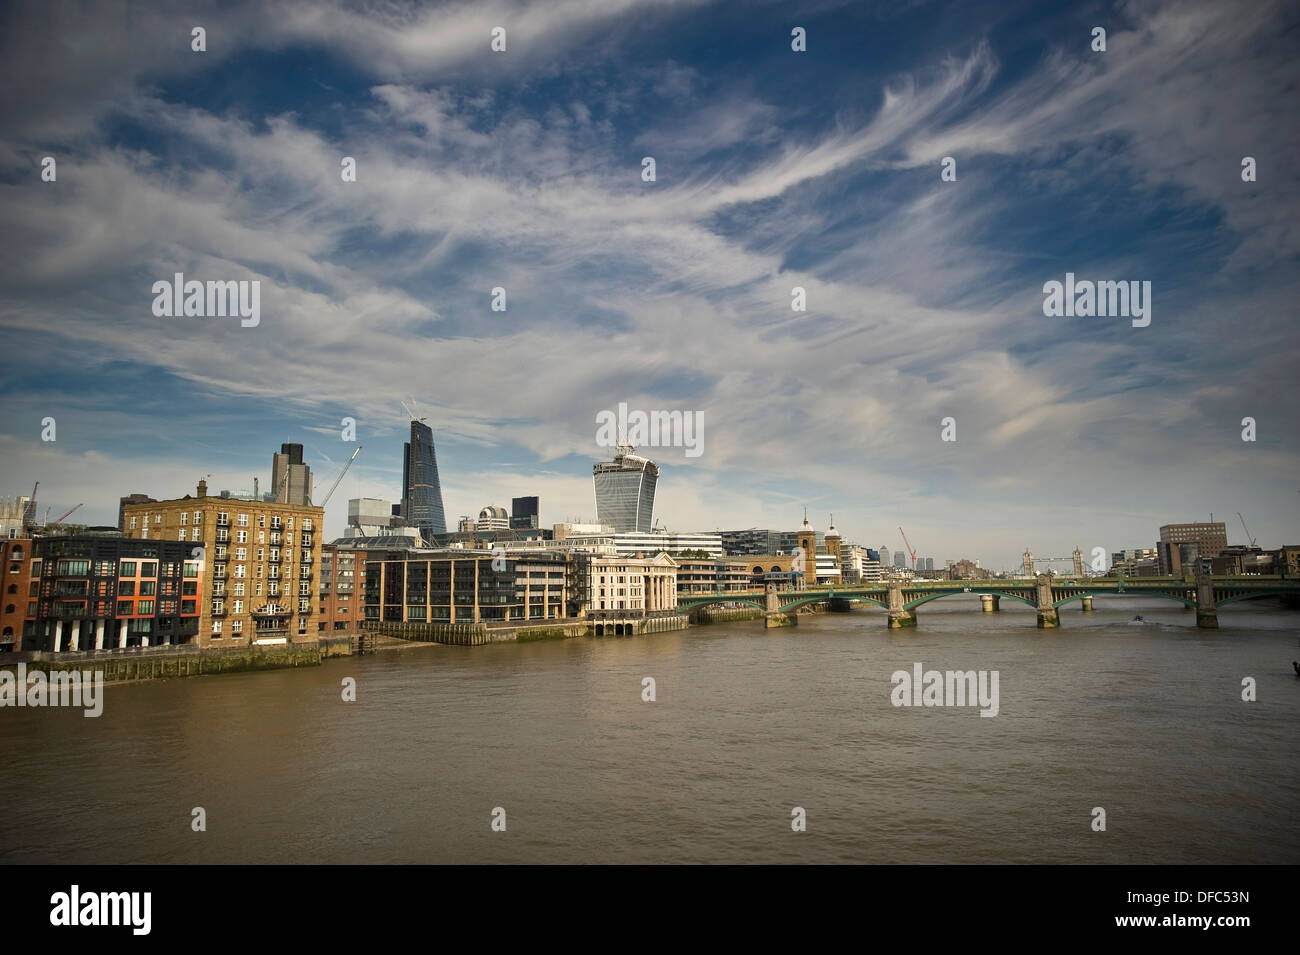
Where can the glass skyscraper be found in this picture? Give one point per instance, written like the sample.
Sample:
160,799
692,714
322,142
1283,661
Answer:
625,491
421,490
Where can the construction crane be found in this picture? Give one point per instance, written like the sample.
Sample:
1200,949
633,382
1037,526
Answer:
410,413
29,512
65,514
909,548
334,486
1246,529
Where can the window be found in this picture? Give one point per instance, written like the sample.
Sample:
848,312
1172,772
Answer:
198,517
261,520
144,607
185,518
241,537
236,626
243,520
223,518
73,568
306,523
189,589
147,588
216,629
290,524
238,606
259,589
241,553
126,588
189,606
124,608
149,569
261,537
288,540
182,534
126,569
157,518
133,522
192,568
239,589
239,570
144,533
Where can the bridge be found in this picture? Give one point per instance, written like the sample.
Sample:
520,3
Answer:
1046,594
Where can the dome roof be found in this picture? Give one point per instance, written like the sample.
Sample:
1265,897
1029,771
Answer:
492,511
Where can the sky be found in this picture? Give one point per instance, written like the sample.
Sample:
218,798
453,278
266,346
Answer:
522,169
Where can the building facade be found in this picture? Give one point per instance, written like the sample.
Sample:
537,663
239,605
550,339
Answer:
109,592
20,573
260,563
625,491
636,585
425,586
525,513
290,478
421,486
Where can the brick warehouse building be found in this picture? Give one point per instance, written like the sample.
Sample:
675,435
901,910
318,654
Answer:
17,592
260,562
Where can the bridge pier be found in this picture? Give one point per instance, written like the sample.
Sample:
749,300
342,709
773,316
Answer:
772,616
1207,614
1085,603
1048,618
900,618
990,603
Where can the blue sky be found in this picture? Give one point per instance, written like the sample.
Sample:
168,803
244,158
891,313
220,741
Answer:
774,169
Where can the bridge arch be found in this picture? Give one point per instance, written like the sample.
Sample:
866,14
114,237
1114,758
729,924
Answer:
1186,602
826,595
917,601
690,604
1252,594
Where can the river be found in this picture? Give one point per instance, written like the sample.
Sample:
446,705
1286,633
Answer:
1144,720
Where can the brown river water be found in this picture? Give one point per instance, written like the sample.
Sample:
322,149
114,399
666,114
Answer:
1143,720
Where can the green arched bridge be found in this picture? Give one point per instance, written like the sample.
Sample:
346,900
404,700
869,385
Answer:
1045,594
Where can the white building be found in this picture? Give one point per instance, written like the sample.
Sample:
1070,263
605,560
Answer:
639,585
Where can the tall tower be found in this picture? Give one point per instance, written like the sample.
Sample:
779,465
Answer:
290,478
421,489
625,491
1027,563
833,542
1078,562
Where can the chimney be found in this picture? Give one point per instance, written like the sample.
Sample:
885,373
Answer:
203,488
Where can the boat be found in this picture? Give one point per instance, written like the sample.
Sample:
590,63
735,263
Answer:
1137,618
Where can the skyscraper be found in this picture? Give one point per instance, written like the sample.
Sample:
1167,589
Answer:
290,478
524,512
421,489
625,491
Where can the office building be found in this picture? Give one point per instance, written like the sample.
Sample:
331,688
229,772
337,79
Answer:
492,518
421,488
466,586
636,585
625,491
290,478
524,513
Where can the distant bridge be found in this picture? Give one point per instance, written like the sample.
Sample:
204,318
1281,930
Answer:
1046,594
